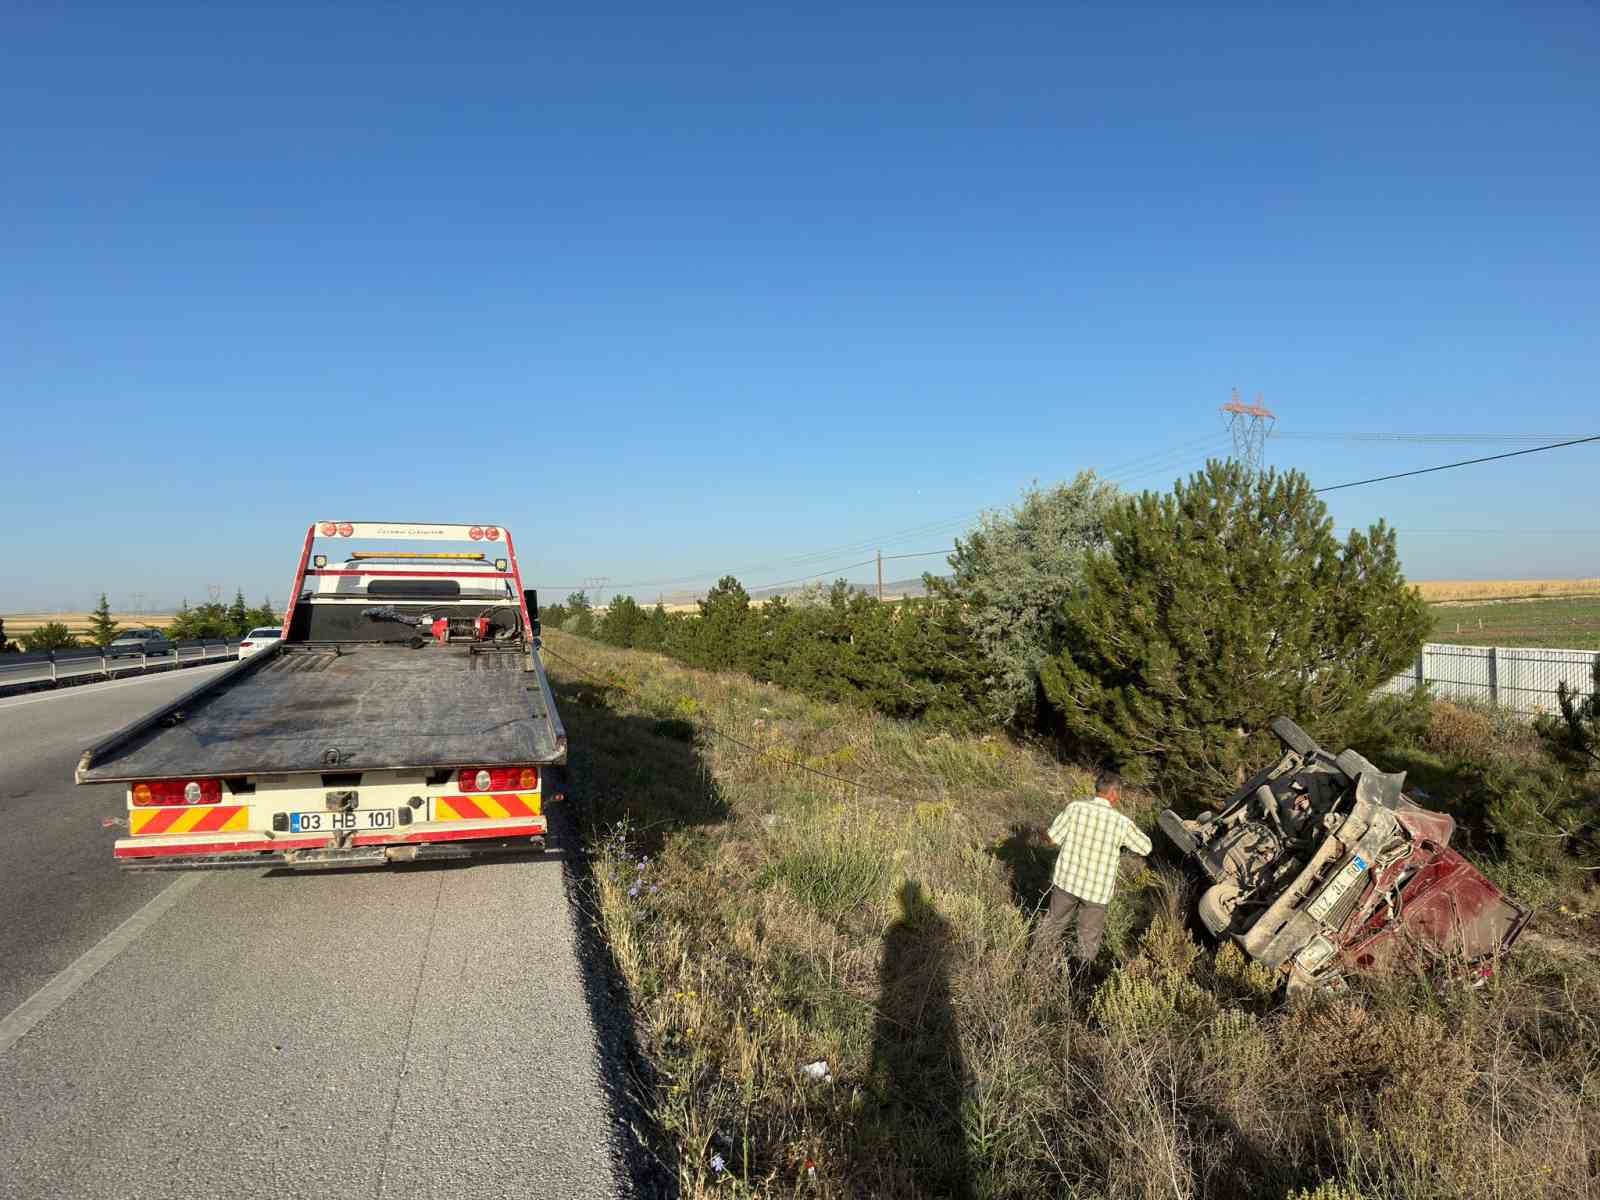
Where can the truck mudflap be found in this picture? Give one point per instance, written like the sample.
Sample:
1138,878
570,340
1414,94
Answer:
461,839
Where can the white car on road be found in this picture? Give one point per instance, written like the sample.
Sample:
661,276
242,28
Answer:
258,639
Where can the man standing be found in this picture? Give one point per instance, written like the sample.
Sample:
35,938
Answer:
1092,835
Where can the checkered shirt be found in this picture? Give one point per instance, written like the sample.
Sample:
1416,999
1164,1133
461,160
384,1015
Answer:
1092,835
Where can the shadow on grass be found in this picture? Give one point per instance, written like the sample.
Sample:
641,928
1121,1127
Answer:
639,768
1029,860
915,1118
649,773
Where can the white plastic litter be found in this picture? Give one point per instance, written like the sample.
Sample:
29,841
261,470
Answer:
817,1071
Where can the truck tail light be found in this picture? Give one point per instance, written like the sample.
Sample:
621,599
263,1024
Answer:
177,791
498,779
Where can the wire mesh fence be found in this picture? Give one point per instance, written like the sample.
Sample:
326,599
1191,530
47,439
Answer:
1521,679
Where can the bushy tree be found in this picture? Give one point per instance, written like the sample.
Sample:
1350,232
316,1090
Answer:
1216,607
102,629
6,647
1013,574
723,636
52,635
654,633
622,622
261,615
209,620
580,615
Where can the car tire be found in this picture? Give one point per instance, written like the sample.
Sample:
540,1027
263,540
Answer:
1293,737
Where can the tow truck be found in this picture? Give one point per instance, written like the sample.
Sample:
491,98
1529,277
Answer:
404,715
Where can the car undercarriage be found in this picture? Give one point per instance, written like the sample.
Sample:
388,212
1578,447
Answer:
1321,866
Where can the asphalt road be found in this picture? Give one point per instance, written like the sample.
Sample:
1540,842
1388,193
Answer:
423,1032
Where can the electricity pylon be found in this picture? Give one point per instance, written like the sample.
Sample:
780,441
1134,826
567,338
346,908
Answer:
1250,425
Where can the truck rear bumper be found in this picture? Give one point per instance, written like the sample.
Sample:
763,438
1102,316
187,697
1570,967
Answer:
460,839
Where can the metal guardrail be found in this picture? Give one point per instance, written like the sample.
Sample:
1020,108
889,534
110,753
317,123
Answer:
57,666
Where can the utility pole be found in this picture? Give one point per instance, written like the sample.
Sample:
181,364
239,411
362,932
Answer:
1250,425
880,574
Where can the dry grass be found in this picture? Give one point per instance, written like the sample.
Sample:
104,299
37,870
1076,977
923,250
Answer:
1441,591
765,918
18,624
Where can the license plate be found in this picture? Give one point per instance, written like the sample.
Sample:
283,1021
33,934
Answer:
1337,887
341,822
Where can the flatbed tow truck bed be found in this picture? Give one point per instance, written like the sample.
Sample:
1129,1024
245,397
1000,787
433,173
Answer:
404,715
308,708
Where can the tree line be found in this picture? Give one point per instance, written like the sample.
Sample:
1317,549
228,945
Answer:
1159,633
210,620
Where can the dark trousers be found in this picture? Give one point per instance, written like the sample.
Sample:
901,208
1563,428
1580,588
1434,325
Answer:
1091,919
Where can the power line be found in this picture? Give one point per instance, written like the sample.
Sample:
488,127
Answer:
1139,467
766,587
866,562
1467,462
1441,439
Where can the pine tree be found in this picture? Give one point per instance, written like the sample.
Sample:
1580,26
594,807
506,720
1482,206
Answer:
1573,737
726,626
622,622
1213,609
181,627
102,629
239,614
654,634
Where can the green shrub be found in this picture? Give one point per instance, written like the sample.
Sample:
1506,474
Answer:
52,635
913,659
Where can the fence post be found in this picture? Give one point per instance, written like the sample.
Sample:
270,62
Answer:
1422,666
1494,675
53,678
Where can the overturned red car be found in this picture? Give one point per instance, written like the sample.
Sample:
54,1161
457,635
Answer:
1321,866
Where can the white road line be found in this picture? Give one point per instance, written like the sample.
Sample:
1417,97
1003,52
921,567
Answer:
100,688
60,989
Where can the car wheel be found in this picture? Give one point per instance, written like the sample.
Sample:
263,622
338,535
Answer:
1292,736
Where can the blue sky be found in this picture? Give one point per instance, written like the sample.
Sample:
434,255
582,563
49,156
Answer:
672,290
